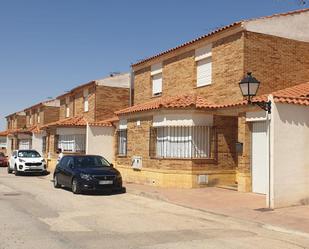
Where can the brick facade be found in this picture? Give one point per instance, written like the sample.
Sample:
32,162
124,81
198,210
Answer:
277,62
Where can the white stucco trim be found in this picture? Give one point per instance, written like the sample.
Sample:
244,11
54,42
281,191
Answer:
182,120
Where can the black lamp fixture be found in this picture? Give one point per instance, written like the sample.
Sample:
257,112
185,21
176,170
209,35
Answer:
249,86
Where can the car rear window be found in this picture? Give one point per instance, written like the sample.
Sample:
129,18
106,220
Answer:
90,162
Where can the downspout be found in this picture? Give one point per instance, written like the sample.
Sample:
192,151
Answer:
87,138
131,86
269,129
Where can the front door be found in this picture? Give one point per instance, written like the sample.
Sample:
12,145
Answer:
259,158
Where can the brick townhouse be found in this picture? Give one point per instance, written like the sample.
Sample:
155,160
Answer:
84,117
23,128
190,126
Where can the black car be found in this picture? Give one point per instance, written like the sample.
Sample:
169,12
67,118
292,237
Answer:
87,173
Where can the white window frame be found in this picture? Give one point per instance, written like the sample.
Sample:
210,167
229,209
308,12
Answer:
86,100
203,59
156,79
38,117
3,142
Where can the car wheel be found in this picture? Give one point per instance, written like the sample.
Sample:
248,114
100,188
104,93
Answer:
16,171
75,187
9,170
56,182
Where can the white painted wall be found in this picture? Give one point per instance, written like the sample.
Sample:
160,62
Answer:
71,131
37,142
294,26
100,141
182,120
289,173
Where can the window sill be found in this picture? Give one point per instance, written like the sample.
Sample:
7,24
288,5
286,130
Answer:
121,156
197,87
208,160
156,96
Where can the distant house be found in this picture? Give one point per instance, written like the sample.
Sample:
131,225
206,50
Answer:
85,117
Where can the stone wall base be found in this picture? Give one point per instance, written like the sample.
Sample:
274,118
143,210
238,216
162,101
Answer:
176,178
244,181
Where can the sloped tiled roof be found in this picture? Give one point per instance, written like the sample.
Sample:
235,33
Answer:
298,94
105,123
183,101
74,121
217,31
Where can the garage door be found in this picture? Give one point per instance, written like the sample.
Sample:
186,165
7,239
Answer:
259,158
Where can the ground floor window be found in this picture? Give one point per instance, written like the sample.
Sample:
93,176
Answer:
24,144
72,143
122,142
44,144
180,141
2,142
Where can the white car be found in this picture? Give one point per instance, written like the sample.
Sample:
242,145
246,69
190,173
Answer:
26,161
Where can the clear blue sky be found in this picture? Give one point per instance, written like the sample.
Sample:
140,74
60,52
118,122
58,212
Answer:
50,46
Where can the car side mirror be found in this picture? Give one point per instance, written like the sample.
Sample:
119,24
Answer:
15,157
71,166
112,165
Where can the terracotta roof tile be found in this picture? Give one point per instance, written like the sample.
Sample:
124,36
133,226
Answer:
217,31
105,123
74,121
298,94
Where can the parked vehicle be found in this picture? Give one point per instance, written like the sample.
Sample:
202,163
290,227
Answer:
3,160
87,173
26,161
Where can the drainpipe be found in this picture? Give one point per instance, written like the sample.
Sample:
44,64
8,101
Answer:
131,86
269,133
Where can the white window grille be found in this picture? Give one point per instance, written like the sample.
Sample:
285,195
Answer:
122,142
24,144
181,141
72,143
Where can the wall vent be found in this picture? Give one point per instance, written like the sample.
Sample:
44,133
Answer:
136,162
202,179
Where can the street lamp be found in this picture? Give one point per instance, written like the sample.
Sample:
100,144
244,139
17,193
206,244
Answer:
249,86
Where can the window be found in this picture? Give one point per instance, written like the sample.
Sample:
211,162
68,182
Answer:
86,104
38,117
181,142
44,144
203,66
72,143
67,108
122,142
2,142
156,77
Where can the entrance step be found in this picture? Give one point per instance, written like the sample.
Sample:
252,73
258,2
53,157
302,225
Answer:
233,187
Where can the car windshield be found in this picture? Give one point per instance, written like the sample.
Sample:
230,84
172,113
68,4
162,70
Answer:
28,154
90,162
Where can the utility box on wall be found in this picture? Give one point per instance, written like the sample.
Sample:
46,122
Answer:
137,162
239,147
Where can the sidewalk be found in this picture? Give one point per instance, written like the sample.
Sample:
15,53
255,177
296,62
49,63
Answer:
247,206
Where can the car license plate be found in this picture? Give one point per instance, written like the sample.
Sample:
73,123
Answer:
105,182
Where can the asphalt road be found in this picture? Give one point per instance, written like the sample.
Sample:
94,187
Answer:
35,215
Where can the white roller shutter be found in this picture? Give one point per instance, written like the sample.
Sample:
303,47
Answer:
204,72
157,84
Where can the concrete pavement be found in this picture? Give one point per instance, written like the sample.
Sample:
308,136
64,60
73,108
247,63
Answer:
35,215
247,206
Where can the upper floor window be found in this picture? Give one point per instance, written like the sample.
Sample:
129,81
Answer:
86,103
38,116
67,108
156,78
203,58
